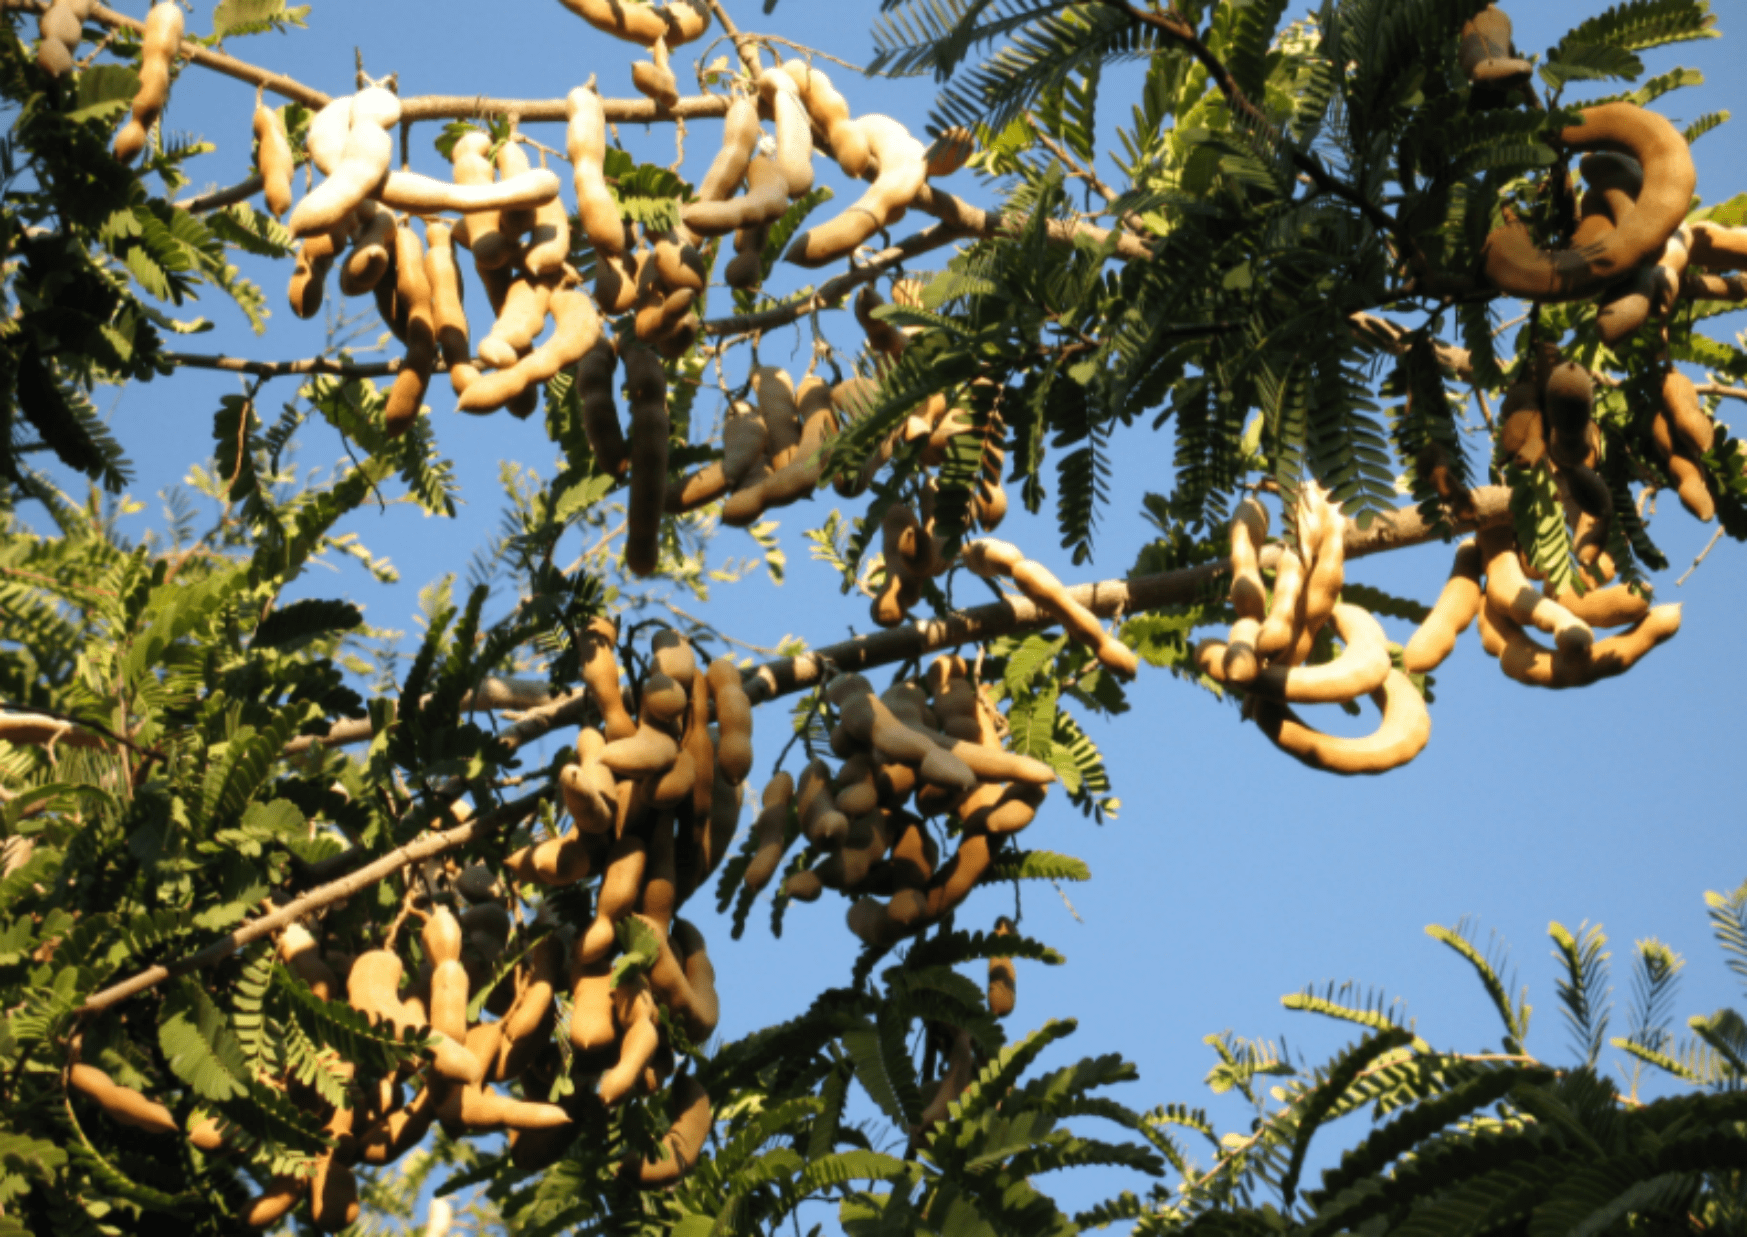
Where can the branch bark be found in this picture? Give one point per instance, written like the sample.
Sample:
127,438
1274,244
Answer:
242,191
280,369
492,694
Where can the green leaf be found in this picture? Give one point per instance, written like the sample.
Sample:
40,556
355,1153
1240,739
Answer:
198,1044
1039,865
104,91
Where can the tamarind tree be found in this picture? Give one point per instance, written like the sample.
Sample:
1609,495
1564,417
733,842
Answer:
289,928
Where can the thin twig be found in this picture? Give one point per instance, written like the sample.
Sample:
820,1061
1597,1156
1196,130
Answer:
747,47
1709,546
13,706
242,191
1718,389
281,369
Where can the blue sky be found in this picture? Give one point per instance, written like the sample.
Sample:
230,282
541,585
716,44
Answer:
1232,875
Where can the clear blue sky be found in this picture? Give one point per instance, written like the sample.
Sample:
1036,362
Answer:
1233,875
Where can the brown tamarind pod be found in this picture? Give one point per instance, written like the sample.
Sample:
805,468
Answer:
672,655
521,319
821,823
659,896
903,171
297,949
449,993
900,533
646,389
956,878
124,1104
1003,976
1616,606
600,413
853,790
1693,428
315,256
441,936
886,923
1402,734
161,41
333,1195
663,703
373,249
1008,810
1359,670
274,158
1249,528
745,270
1689,478
62,26
1455,608
620,886
770,831
960,1070
272,1204
576,327
734,717
872,724
763,203
1514,264
1486,54
591,1012
600,672
637,1044
804,886
882,336
1279,630
682,1145
1041,586
743,436
1717,248
775,393
413,288
1527,661
528,1025
1509,588
588,788
723,823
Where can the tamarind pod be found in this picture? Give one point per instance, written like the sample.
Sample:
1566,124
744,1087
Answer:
663,702
620,886
1485,53
548,245
1625,306
1718,248
672,987
853,791
903,170
1454,609
886,923
372,250
333,1195
586,144
1568,401
679,266
480,1108
724,822
391,306
913,855
1011,809
615,282
449,993
556,861
1209,658
1522,438
867,719
765,200
661,315
646,388
697,489
821,823
659,895
532,1151
576,328
1509,588
739,139
38,730
1249,528
804,886
953,883
62,27
512,164
273,156
903,584
990,764
1003,976
697,741
1686,414
272,1204
588,792
635,23
1402,734
407,395
207,1135
794,138
654,78
1689,478
638,1045
743,436
960,1070
1513,263
491,248
161,41
746,270
1359,670
527,1026
591,1010
315,255
1618,606
770,831
518,322
325,138
363,164
1241,663
447,313
1037,583
775,392
600,672
600,413
647,752
425,195
1278,630
441,936
882,336
124,1104
491,920
373,985
681,338
686,20
689,1112
734,717
1528,662
830,112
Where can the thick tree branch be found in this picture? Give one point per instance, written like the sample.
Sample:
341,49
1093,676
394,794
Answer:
975,221
492,694
529,111
242,191
1108,598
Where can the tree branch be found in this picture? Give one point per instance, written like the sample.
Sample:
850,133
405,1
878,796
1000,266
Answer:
492,694
242,191
748,48
1392,530
280,369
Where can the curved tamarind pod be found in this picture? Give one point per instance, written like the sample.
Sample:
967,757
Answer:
1402,734
734,716
724,821
903,171
576,329
441,937
770,831
1625,307
698,1009
794,138
1003,976
1514,264
548,245
1522,437
1486,54
953,883
743,435
1327,574
1692,426
903,583
746,270
830,112
1528,662
635,23
647,752
1617,606
689,1112
662,703
679,264
675,783
513,165
1009,811
739,139
518,322
620,885
686,20
1455,608
600,413
363,165
272,1204
1278,630
591,1009
1718,248
556,861
1249,528
638,1044
449,993
806,885
413,289
776,405
333,1195
528,1025
160,43
586,144
325,139
697,489
273,156
821,823
492,249
444,277
315,255
526,190
886,923
37,730
478,1107
765,200
1689,478
124,1104
62,26
853,791
1359,670
800,476
373,986
646,389
615,282
870,722
600,671
1508,588
297,950
1036,582
654,78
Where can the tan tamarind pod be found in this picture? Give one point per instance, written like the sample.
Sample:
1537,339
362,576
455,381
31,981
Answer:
804,886
770,832
600,671
654,78
726,799
647,752
600,413
830,112
1718,248
951,151
325,139
444,277
663,703
1526,661
734,716
297,949
522,191
480,1108
1689,478
521,319
1625,307
1509,588
449,993
1692,427
1402,734
913,856
739,140
903,172
1522,437
407,396
620,886
1359,670
1037,583
872,724
675,783
512,163
1010,810
882,336
1249,598
698,741
576,328
124,1104
207,1135
956,878
1279,630
853,791
272,1204
635,1014
765,200
62,26
373,985
315,255
776,405
646,389
900,530
373,249
591,1014
1322,586
362,168
697,489
746,270
635,23
586,143
1485,53
1455,608
743,437
821,823
679,265
273,156
441,937
491,248
683,1144
1568,403
1003,976
161,41
794,138
615,282
659,315
1514,264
